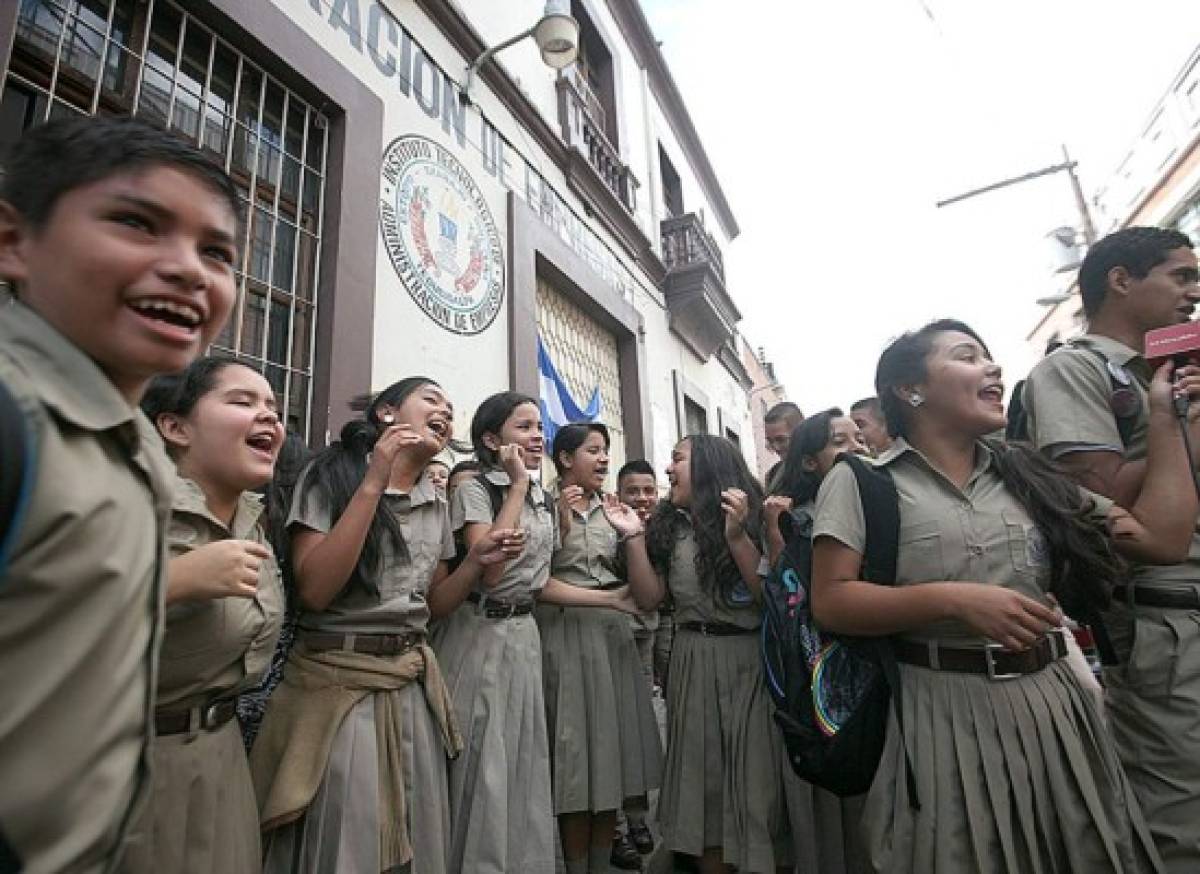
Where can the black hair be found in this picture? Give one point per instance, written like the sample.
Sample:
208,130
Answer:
571,437
470,465
1138,249
338,470
293,455
716,465
1084,567
782,410
178,393
808,438
55,158
636,466
871,403
489,419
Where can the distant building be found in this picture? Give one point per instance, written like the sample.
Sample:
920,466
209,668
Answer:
765,393
1157,183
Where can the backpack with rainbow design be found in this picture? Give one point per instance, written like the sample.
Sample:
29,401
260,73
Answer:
832,692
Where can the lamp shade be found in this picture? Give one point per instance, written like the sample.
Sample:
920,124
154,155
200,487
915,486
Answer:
557,36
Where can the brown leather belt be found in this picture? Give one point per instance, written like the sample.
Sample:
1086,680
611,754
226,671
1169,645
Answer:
500,609
716,629
992,660
207,717
370,644
1164,597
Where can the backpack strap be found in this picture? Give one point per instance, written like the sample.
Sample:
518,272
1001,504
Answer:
1126,410
17,473
496,496
881,512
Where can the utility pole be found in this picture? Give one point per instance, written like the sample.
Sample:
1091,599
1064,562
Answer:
1067,166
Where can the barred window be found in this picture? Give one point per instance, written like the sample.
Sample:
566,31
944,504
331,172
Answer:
152,59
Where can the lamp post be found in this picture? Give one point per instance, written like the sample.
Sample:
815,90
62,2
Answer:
556,34
1067,166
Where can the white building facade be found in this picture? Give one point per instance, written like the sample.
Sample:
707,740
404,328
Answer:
397,227
1156,183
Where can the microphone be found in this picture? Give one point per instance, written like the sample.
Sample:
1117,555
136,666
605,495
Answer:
1178,343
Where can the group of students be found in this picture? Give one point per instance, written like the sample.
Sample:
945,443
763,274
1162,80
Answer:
467,684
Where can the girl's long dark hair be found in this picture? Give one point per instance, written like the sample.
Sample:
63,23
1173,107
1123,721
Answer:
1084,567
808,438
716,465
339,470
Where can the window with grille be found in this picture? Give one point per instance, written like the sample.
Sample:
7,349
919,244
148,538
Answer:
152,59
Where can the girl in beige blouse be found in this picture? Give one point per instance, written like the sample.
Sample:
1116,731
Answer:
1011,763
224,610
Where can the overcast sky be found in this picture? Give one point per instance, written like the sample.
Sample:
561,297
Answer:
834,127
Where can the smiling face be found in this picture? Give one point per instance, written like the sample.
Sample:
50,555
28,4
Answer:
523,427
439,475
136,269
874,431
639,491
962,388
587,466
231,438
844,437
679,474
428,412
1167,295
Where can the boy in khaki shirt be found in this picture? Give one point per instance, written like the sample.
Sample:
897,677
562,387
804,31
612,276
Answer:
1088,410
118,242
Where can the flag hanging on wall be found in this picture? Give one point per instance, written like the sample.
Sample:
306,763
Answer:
557,405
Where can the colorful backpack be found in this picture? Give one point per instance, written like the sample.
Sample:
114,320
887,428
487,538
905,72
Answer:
832,692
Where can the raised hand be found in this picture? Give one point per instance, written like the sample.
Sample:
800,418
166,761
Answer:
736,506
394,440
512,459
498,545
622,517
221,569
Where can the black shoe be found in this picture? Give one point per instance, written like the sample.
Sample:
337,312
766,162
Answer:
641,837
624,856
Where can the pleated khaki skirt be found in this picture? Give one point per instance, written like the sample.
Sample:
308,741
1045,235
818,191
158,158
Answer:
340,830
826,830
1012,776
604,742
500,806
202,817
723,779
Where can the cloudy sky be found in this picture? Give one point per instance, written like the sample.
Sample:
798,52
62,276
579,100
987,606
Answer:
834,127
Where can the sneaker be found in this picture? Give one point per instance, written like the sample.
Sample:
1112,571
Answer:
624,855
641,837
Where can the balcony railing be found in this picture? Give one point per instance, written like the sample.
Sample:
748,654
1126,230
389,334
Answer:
685,242
586,134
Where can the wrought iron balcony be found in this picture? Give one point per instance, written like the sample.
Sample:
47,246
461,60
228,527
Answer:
699,307
584,132
685,241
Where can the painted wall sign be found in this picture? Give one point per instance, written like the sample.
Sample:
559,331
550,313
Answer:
440,235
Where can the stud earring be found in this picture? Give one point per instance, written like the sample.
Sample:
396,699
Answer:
916,399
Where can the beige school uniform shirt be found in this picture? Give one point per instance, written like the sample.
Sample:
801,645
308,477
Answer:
391,599
221,646
80,608
979,533
1067,397
588,549
526,574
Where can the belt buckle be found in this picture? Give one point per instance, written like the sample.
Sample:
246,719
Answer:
210,714
989,660
510,610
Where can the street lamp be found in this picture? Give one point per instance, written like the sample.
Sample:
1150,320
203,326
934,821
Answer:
556,35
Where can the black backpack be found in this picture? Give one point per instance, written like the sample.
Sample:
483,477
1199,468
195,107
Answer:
18,468
832,692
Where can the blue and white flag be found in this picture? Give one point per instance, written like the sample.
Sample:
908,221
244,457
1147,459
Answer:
557,405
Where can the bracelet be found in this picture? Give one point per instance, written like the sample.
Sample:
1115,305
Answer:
625,538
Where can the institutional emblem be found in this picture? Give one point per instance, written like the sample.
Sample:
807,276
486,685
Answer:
440,235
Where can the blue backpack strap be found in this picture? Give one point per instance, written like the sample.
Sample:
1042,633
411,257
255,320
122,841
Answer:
17,473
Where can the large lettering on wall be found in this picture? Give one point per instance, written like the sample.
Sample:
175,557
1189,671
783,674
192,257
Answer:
440,235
